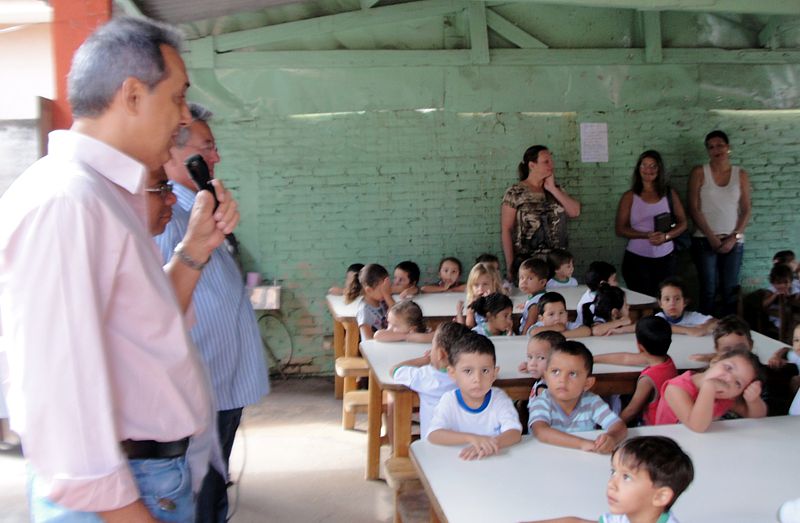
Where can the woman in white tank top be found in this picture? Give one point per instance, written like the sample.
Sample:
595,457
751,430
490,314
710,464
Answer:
719,203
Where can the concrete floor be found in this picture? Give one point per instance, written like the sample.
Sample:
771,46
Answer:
292,462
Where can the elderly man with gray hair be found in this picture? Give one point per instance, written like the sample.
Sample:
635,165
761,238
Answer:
106,389
226,332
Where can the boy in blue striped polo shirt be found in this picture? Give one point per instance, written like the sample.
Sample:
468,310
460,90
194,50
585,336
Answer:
567,406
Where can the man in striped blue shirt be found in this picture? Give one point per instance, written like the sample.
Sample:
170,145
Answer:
225,331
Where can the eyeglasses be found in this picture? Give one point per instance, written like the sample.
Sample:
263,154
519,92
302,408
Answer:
206,149
163,190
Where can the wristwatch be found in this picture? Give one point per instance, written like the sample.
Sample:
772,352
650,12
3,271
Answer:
739,236
666,236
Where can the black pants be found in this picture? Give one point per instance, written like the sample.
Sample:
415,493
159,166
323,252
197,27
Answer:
212,501
646,274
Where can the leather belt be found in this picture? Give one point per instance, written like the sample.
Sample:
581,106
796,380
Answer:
148,449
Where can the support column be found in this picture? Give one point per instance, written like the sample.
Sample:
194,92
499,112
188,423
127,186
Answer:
73,22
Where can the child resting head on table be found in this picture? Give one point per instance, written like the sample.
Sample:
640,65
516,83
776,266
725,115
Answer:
496,308
648,475
653,338
476,414
673,301
553,316
597,273
406,279
789,356
427,375
731,383
483,280
731,332
376,290
608,313
405,323
450,270
538,352
351,289
532,274
567,405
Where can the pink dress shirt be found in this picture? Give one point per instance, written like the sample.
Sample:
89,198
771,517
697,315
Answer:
95,340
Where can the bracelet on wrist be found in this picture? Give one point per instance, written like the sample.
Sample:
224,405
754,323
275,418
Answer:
180,253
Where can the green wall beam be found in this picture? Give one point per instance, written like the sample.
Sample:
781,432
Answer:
506,57
478,33
338,22
512,33
771,7
652,37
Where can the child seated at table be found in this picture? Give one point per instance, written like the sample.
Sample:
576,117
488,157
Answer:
538,352
427,375
609,313
562,265
476,414
648,475
672,300
653,338
787,258
567,406
789,356
351,289
406,279
450,270
780,285
376,290
497,309
597,273
731,383
553,317
492,261
483,280
533,274
731,332
405,323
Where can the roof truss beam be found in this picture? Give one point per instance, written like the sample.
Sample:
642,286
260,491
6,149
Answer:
767,7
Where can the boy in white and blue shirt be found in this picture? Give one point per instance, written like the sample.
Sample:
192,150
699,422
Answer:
427,376
672,300
476,414
562,265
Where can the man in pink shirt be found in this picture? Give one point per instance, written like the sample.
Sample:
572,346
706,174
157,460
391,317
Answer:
106,389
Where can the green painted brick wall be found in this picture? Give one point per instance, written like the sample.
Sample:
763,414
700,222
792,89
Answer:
380,164
320,192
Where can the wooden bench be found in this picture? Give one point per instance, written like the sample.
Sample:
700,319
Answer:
411,504
355,401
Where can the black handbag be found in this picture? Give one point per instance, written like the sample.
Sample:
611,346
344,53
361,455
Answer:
684,239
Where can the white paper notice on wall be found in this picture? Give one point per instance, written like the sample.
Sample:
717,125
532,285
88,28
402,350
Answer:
594,142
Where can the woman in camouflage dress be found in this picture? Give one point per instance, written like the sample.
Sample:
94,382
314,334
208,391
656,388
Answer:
534,212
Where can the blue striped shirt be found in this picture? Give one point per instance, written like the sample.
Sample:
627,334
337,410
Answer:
226,332
590,410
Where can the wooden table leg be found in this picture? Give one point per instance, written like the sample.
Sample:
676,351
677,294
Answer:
338,352
351,339
374,411
401,440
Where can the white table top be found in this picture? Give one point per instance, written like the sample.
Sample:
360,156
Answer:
510,351
744,470
443,304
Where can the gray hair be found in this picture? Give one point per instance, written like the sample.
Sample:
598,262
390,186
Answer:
124,47
199,114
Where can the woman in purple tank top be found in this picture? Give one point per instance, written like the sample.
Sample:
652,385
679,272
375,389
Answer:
642,217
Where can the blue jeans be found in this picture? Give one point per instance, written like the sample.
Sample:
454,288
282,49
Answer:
714,271
165,488
212,501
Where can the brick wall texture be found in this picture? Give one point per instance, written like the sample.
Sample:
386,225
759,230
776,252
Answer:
320,192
